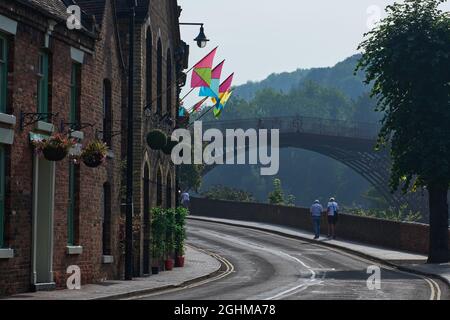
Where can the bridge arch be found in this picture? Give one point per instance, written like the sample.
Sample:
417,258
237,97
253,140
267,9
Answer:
349,143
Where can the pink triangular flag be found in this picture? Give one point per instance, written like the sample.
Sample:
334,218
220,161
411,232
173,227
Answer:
217,71
207,61
226,85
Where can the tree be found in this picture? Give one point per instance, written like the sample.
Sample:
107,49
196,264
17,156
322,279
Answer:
277,195
190,176
407,58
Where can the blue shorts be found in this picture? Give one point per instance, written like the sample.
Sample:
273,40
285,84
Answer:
332,219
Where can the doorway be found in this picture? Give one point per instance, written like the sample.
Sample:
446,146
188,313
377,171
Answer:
43,204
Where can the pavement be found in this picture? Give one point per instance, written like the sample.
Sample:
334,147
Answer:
405,261
198,266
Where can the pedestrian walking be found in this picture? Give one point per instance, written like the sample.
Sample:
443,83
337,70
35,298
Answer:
316,213
185,199
332,213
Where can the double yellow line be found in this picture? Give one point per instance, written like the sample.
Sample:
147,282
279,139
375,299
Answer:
435,290
229,268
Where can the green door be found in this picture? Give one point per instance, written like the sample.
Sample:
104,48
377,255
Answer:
43,239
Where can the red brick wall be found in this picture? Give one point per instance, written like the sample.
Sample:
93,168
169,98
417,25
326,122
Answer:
390,234
15,273
102,61
160,20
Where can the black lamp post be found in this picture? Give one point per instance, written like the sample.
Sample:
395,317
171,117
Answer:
129,195
201,39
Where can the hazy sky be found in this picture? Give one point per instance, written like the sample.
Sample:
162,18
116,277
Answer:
259,37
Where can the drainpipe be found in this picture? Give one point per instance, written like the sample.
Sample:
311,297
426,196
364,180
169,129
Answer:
129,196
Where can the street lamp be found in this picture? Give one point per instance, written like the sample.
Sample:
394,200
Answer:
201,39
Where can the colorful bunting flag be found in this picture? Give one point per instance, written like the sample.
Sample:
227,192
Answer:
202,73
222,103
198,106
181,112
226,85
213,89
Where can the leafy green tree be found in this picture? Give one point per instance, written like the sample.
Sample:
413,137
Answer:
277,195
290,200
407,57
403,213
375,198
190,176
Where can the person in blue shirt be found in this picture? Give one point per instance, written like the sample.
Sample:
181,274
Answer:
332,212
185,199
316,213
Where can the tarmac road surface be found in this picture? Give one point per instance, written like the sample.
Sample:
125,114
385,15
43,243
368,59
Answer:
262,266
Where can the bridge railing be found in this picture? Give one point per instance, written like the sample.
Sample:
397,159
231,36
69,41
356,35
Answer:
300,124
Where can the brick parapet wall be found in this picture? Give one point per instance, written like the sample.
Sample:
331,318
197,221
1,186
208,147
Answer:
404,236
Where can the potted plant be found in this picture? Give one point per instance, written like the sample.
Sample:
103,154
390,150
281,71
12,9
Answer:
54,148
156,139
180,235
94,154
158,228
169,244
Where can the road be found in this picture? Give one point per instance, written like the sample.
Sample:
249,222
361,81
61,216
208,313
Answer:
260,265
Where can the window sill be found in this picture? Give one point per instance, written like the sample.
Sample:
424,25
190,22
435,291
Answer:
6,136
77,134
6,253
74,250
107,259
45,126
7,119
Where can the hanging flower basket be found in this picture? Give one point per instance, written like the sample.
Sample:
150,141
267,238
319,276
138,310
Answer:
94,154
55,148
156,139
167,149
54,154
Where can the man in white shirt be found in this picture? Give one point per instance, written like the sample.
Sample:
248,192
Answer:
316,213
332,212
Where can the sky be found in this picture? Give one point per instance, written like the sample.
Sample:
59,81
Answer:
260,37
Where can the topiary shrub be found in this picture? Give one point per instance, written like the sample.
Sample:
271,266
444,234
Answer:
167,149
156,139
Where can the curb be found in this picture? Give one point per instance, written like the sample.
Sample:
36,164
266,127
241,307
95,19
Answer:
331,245
143,292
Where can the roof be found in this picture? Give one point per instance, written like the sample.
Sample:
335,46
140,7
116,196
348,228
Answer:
93,8
55,8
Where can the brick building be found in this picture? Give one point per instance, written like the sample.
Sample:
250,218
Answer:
159,58
56,214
